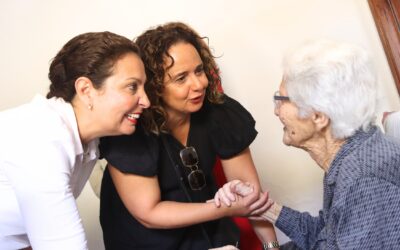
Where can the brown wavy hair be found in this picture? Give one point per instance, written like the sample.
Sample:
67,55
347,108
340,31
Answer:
92,55
154,45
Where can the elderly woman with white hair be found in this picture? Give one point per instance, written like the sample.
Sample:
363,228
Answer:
327,104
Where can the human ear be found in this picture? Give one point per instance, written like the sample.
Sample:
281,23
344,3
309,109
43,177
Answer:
320,120
84,88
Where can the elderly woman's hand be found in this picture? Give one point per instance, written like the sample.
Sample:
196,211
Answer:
228,192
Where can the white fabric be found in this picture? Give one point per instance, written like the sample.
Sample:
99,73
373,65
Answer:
43,168
392,124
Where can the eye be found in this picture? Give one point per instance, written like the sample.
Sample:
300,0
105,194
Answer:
199,70
180,78
133,87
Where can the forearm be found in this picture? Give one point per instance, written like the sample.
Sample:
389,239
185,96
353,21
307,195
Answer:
265,231
301,228
242,168
170,214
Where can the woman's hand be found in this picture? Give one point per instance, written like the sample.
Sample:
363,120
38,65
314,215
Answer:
253,204
242,199
228,192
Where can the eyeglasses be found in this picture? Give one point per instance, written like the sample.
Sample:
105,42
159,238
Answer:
279,98
196,178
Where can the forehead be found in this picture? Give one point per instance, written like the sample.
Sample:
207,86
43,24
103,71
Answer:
182,53
126,68
282,87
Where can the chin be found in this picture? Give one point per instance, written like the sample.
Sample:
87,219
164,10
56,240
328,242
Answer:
287,141
129,131
197,108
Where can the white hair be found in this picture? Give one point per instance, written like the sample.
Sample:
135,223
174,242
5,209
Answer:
336,79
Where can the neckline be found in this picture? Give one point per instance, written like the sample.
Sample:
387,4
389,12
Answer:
188,138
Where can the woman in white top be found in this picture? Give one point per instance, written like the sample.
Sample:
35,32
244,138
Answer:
48,147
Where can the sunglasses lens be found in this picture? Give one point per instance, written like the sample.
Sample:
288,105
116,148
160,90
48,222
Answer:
196,180
189,156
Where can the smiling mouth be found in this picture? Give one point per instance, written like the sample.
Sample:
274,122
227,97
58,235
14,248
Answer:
133,117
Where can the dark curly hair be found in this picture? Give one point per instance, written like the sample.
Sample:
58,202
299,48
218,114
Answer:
154,45
92,55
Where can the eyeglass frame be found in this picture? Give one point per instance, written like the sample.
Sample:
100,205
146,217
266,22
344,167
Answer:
194,169
279,98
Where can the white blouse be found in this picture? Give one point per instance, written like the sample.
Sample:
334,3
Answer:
43,169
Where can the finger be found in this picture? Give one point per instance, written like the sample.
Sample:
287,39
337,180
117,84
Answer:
263,208
224,198
217,200
260,203
256,218
244,189
228,191
251,198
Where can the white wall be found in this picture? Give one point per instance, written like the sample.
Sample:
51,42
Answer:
250,37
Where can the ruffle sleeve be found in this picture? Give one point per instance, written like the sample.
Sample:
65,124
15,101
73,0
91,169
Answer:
231,128
136,154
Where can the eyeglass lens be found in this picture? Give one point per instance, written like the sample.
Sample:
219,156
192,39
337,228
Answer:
189,156
196,180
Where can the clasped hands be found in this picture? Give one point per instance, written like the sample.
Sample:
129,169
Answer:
248,201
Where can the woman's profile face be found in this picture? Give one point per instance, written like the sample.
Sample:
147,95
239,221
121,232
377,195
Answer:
185,82
120,101
296,131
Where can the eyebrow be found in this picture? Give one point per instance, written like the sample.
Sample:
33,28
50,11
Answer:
201,65
134,79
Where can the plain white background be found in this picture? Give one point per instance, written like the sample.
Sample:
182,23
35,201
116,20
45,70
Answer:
249,38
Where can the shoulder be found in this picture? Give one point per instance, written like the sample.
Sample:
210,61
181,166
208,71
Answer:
229,108
230,127
137,153
380,156
37,123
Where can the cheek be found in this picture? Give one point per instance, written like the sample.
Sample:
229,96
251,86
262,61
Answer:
121,104
174,95
205,81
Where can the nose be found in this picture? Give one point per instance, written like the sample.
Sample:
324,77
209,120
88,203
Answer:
276,110
144,101
199,82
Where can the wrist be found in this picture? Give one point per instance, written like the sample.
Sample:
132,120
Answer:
272,213
270,245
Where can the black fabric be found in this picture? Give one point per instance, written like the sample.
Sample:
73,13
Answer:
222,130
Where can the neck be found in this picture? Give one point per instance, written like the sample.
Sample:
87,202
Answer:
86,129
323,149
179,126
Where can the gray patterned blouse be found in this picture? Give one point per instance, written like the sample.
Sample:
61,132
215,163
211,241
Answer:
361,206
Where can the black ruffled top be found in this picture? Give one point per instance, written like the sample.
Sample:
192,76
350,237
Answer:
216,130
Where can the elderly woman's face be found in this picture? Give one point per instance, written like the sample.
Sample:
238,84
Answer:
296,131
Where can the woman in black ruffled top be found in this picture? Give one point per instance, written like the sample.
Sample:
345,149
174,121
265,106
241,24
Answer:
158,180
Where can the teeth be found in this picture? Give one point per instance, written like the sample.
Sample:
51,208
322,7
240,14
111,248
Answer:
133,116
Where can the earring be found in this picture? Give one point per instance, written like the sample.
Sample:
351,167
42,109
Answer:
90,106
